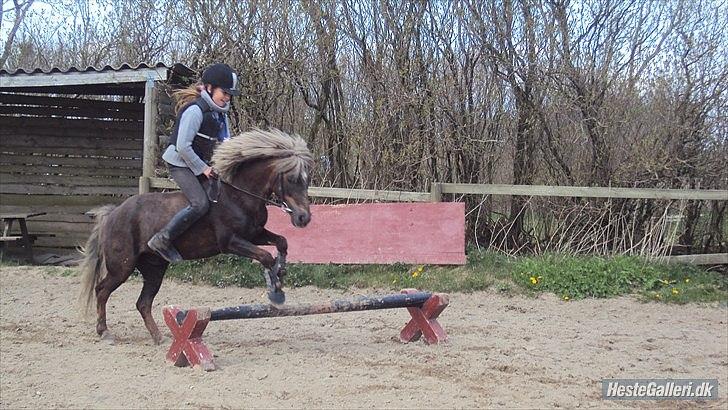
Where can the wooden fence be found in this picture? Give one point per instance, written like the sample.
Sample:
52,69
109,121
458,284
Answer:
438,189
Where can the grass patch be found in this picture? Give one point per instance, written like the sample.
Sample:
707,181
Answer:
571,277
568,277
482,271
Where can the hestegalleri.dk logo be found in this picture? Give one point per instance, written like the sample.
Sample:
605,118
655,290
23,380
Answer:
659,389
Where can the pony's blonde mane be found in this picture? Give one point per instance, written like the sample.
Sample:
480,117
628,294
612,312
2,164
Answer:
289,153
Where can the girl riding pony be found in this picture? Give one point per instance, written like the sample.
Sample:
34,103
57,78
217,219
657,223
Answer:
201,123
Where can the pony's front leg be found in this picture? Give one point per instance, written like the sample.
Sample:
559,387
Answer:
269,238
241,247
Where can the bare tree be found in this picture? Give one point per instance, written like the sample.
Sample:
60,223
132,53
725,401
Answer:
18,9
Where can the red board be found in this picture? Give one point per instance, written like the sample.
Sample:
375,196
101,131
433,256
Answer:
427,233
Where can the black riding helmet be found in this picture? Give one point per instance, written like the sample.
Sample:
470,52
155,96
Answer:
221,75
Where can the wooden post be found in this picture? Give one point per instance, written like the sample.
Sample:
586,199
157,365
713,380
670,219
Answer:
436,192
149,158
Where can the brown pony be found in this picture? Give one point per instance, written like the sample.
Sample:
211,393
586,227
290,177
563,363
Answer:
252,166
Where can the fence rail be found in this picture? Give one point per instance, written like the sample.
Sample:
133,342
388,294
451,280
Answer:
586,192
438,189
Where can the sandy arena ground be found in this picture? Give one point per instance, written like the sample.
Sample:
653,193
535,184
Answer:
503,352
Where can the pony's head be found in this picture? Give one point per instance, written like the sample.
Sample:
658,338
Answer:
287,159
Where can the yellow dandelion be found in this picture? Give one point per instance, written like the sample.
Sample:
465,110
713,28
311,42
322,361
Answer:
566,297
534,280
394,281
687,280
420,269
415,274
657,296
675,291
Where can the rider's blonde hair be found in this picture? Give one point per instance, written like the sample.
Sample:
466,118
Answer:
185,96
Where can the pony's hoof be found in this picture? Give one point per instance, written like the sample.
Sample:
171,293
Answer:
107,337
277,298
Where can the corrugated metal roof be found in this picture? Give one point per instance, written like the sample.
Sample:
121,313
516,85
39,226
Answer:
178,68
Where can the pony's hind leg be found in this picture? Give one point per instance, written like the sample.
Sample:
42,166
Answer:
109,284
152,270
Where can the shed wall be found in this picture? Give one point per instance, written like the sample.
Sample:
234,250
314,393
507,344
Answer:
64,156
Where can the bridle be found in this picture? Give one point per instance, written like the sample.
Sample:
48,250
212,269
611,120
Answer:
282,204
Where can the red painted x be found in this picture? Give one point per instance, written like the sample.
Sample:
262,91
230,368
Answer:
187,347
424,320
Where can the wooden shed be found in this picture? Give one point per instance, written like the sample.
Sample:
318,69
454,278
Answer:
74,139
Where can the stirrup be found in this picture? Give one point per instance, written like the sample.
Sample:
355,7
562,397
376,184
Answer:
163,246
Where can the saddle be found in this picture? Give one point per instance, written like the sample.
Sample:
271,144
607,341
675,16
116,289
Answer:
212,188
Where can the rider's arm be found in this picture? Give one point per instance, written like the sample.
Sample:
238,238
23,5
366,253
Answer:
189,125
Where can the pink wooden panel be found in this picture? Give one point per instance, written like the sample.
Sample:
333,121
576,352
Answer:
427,233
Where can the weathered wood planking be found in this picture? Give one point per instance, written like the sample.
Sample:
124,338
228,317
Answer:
32,189
68,170
78,161
587,192
69,225
43,141
22,122
43,130
70,112
11,98
67,180
96,152
59,200
427,233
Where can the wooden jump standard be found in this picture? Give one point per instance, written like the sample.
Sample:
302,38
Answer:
187,326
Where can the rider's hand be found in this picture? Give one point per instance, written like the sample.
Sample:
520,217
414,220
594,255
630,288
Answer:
210,172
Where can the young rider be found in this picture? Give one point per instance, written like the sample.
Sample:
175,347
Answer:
201,123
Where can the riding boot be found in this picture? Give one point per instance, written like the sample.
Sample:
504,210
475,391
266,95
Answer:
161,242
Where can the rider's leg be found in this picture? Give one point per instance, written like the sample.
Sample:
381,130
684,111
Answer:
161,242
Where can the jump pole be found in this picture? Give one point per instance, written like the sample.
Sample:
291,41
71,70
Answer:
187,326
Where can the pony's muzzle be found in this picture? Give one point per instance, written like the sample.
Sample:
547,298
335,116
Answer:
300,219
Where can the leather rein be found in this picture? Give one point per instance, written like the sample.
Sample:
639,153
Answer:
280,204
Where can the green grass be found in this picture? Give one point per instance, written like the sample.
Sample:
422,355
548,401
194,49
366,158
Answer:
598,277
568,277
481,272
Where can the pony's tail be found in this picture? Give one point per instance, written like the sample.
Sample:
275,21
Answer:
93,267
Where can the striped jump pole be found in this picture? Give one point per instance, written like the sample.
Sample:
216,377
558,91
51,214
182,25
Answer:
188,325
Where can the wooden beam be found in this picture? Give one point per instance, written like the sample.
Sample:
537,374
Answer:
70,171
149,158
25,189
48,101
98,152
365,194
587,192
99,125
126,89
369,194
42,141
58,200
530,190
160,183
83,78
74,112
72,161
700,259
